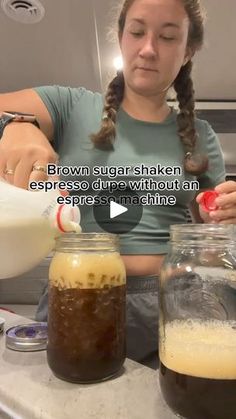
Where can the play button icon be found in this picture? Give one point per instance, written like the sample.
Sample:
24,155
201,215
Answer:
117,212
116,209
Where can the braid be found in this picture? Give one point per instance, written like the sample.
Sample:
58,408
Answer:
115,91
194,164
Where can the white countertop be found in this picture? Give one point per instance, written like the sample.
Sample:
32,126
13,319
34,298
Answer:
29,390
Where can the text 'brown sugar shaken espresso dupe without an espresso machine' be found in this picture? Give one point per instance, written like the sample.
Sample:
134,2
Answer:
198,322
86,319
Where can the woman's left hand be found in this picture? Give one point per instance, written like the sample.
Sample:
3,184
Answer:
226,203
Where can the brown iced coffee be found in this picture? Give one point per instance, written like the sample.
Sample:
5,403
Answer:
86,323
198,368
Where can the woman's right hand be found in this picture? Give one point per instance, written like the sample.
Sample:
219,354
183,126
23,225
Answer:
22,147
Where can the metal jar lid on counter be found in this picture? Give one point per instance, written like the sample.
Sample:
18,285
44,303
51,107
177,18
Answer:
27,337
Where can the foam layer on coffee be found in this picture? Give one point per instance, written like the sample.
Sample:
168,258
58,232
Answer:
87,270
206,350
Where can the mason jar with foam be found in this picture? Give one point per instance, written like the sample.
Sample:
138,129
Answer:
86,320
198,322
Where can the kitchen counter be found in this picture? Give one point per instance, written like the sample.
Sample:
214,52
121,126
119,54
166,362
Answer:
29,390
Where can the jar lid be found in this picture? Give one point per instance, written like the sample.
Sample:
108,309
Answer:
2,322
27,337
208,200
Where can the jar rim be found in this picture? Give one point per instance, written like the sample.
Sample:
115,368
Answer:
203,231
87,236
73,240
204,227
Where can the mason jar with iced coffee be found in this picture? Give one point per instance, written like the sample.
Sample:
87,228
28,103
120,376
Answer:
198,322
86,312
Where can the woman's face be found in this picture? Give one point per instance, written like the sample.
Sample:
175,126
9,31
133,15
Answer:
153,45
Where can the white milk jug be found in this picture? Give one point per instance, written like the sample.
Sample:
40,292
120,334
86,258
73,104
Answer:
29,223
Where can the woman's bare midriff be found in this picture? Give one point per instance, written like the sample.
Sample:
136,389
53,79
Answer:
143,264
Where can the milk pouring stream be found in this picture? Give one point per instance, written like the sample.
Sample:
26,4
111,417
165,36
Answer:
29,223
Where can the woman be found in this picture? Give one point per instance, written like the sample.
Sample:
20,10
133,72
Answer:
131,124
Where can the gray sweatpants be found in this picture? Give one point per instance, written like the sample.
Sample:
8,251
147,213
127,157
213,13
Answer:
141,318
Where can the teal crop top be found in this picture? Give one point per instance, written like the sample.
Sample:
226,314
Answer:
77,112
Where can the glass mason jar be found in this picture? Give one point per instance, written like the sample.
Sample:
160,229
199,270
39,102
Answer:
86,311
197,345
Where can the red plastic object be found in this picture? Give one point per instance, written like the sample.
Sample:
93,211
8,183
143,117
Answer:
7,309
208,201
59,223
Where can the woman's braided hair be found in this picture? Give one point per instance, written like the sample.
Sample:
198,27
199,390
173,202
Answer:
115,91
183,86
